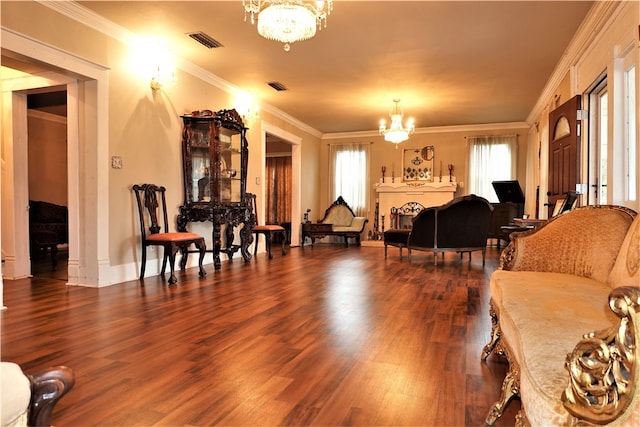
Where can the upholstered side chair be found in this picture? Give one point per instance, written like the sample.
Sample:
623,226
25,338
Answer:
155,234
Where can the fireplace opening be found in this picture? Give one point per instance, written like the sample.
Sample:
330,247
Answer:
402,217
405,221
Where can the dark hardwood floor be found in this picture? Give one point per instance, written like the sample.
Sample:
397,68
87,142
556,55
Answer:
323,336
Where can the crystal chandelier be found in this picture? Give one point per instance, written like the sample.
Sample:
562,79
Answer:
288,21
396,133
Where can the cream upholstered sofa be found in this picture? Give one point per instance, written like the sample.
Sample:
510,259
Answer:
28,400
340,221
564,308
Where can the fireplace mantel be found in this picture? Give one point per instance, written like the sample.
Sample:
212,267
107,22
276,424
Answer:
396,194
417,188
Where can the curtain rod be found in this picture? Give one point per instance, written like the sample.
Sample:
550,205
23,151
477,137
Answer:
350,143
490,136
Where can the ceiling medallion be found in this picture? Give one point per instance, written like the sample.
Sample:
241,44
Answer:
396,133
288,21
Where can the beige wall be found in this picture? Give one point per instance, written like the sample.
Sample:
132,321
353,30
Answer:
47,158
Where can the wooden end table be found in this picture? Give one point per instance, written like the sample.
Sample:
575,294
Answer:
314,230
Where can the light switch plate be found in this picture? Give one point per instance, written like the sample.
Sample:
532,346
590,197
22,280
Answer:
116,162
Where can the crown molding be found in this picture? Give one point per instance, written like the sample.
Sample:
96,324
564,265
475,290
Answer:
435,129
96,22
597,17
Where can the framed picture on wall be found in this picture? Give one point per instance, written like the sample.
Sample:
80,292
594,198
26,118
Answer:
417,164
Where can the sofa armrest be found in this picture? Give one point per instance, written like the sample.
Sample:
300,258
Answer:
358,223
603,367
47,387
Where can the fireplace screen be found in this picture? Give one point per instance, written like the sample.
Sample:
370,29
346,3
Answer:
417,164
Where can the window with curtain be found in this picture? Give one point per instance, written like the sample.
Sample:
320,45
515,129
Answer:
349,175
491,158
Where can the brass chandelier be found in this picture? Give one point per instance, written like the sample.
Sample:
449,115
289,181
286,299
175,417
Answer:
288,21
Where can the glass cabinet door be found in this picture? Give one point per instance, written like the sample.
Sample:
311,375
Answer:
197,145
214,158
231,135
200,163
230,165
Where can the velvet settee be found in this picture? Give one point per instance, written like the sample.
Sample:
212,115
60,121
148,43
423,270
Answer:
564,308
462,225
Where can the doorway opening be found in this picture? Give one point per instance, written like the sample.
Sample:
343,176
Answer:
294,144
86,85
48,182
278,183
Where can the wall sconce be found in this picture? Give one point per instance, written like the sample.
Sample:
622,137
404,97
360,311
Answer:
246,106
163,77
251,114
153,62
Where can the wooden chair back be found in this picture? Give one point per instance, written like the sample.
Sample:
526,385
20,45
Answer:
152,205
253,207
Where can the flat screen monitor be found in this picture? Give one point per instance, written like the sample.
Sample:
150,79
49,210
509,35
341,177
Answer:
508,191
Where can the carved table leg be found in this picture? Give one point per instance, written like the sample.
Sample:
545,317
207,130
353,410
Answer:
215,237
229,239
246,238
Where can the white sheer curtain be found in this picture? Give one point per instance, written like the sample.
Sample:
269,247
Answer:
349,175
491,158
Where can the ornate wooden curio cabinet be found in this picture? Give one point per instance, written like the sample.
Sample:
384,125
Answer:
215,158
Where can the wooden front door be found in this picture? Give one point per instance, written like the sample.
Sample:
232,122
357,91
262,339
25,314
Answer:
564,151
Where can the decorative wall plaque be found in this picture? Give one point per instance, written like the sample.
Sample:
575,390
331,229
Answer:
417,164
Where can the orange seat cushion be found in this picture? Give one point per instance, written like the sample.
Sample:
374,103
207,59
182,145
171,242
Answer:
268,228
173,237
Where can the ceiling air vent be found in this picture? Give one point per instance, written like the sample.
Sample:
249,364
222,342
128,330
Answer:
205,40
277,86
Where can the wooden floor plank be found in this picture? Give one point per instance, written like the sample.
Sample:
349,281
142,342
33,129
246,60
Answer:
325,335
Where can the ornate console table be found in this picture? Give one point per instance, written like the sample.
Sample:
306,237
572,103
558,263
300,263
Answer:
229,216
